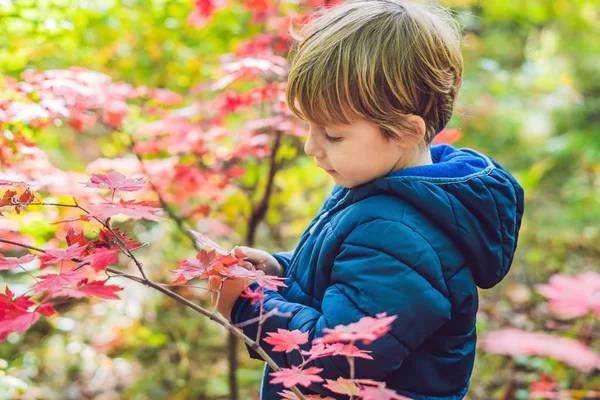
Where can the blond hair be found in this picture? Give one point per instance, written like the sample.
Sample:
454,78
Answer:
381,60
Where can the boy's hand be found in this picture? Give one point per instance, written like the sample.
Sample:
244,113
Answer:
230,291
260,259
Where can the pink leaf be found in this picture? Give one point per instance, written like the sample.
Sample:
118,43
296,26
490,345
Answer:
572,296
516,342
289,377
20,323
322,350
285,340
13,262
130,208
94,288
54,282
53,256
350,350
115,181
100,258
267,281
366,329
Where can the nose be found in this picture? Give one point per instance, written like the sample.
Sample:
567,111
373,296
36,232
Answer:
312,148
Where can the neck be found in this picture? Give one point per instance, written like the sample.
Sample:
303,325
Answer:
419,157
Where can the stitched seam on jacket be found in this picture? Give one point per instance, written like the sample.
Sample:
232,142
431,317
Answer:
408,266
453,212
500,222
412,229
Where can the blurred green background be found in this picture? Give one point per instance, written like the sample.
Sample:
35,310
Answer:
530,99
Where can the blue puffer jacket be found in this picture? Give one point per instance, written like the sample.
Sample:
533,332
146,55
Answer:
415,244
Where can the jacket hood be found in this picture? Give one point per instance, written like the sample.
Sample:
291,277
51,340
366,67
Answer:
471,198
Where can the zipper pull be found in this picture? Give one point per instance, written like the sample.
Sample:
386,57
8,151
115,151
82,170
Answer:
317,223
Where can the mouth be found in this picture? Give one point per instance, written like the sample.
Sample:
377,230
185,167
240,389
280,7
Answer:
329,171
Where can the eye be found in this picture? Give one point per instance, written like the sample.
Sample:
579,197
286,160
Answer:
332,138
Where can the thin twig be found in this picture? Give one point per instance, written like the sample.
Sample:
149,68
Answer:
201,310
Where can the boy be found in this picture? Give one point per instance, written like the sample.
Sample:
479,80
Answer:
409,229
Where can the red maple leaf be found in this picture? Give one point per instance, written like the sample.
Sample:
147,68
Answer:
14,314
349,350
256,295
24,199
130,208
285,340
94,288
6,199
53,256
109,241
115,180
10,199
20,323
267,281
322,350
289,377
73,238
200,266
366,329
54,282
45,309
100,258
14,262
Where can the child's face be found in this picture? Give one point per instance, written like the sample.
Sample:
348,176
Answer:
353,154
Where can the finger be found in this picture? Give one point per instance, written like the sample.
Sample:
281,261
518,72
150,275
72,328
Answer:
247,265
240,251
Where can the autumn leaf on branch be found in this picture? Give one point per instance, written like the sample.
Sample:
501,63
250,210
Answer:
54,282
114,180
10,198
14,314
94,288
367,329
286,341
139,210
13,262
293,376
255,295
53,256
100,258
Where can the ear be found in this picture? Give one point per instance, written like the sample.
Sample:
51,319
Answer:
418,126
